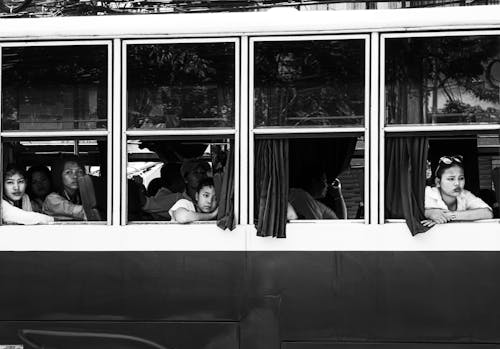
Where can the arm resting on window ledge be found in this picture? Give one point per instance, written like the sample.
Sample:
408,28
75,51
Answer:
474,214
182,215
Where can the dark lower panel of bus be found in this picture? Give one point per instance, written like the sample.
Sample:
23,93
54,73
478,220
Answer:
286,300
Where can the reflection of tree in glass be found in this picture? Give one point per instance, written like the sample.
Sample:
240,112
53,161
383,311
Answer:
42,75
181,85
309,82
421,72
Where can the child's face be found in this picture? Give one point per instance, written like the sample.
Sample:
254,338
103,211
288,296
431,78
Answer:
452,181
14,187
206,200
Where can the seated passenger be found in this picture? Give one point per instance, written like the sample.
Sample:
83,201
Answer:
448,200
305,200
16,205
66,203
203,209
39,185
192,171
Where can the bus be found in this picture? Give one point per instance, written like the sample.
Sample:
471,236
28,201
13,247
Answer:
367,103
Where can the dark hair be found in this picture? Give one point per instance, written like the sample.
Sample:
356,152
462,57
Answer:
205,182
31,171
58,168
448,161
12,169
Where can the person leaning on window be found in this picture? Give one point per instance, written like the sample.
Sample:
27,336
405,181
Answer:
305,202
66,202
192,171
16,204
448,200
204,208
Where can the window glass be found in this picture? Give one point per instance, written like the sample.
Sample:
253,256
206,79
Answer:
442,80
54,180
162,172
54,87
309,83
478,154
328,185
180,85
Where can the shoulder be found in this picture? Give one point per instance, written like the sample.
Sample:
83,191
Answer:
432,192
183,203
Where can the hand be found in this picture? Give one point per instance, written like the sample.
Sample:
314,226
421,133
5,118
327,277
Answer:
214,213
428,223
441,216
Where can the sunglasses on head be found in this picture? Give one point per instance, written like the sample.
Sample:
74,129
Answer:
451,159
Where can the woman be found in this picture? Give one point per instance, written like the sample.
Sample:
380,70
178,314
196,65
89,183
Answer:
39,185
66,202
16,205
448,200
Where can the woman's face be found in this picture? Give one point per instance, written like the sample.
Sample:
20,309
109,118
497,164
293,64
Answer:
14,187
40,184
452,181
70,174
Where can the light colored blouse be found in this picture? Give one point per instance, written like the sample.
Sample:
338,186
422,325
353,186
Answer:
15,215
465,201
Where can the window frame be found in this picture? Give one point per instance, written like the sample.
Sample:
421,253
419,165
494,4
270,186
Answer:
70,134
308,130
428,129
234,132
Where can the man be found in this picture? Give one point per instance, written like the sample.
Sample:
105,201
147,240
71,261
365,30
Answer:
192,172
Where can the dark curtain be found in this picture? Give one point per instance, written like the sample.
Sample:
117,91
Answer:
225,216
271,187
405,166
333,155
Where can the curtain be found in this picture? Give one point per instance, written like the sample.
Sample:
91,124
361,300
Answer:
271,187
331,154
405,166
225,195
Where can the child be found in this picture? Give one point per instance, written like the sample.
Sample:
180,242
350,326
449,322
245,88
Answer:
16,205
205,208
448,200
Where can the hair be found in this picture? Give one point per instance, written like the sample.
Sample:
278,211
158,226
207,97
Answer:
441,167
12,169
32,170
205,182
58,170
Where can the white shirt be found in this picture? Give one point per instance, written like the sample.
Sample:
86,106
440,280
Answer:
465,201
182,203
14,215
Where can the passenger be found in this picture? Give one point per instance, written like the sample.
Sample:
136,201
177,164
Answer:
448,200
204,207
192,171
66,202
16,205
305,200
39,185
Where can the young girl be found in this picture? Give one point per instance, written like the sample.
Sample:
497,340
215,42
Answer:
448,200
66,203
16,205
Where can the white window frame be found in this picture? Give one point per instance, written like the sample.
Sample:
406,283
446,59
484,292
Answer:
429,129
311,131
71,134
234,132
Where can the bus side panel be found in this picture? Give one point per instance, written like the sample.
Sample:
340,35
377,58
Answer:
274,299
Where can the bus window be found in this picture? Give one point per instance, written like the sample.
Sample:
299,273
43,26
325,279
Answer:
429,81
163,174
55,87
181,85
309,109
309,83
65,180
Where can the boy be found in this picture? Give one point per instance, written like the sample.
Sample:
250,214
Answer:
204,209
